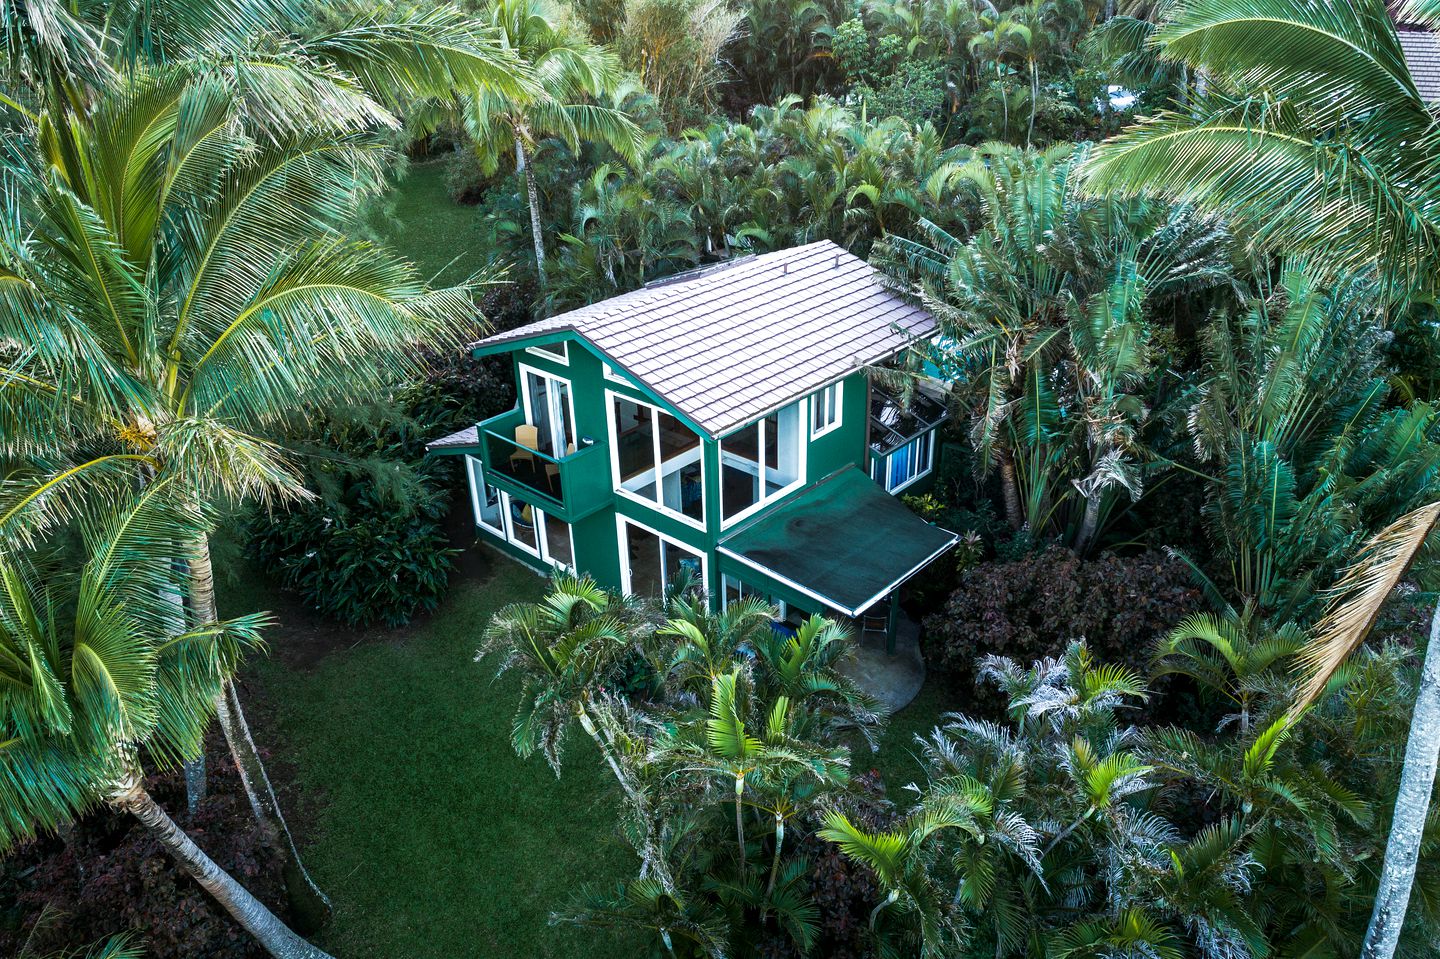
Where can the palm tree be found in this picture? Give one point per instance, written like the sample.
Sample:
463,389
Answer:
1047,314
179,289
571,74
102,667
1232,653
1354,604
1309,130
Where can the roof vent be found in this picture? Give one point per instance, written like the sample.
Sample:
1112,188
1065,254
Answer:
699,271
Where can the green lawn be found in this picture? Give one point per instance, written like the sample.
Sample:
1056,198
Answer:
392,754
414,814
422,223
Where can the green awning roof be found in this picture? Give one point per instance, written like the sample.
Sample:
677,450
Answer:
844,542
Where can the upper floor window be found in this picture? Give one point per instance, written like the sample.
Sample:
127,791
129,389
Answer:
825,409
903,466
558,352
761,462
656,459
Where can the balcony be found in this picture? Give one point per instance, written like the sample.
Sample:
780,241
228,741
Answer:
568,487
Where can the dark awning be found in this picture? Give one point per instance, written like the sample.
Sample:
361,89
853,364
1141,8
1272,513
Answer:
844,542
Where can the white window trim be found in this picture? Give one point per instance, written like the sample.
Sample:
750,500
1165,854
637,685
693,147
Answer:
657,504
763,499
475,473
562,358
536,513
726,581
929,463
530,415
615,376
819,397
621,540
544,541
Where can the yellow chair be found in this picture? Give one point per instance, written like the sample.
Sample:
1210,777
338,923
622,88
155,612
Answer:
552,470
527,437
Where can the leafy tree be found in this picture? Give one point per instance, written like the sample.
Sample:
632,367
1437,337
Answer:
1047,313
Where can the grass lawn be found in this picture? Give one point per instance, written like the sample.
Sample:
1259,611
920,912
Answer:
421,222
414,814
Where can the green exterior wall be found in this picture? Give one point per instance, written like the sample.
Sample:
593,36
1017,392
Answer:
595,534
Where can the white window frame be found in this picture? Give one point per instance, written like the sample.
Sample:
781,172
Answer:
657,504
763,499
929,463
615,376
837,390
622,541
544,541
536,513
475,472
562,358
726,581
550,394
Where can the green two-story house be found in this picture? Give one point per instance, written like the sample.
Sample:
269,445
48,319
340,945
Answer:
719,424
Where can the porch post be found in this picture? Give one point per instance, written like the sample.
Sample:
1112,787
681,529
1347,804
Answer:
892,622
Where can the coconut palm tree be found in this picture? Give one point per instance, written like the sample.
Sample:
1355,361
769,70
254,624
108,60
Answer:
1308,129
102,669
178,290
571,74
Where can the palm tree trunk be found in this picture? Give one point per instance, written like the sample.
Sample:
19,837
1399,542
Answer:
1009,491
1417,782
1089,523
775,862
533,195
194,783
309,906
130,796
740,819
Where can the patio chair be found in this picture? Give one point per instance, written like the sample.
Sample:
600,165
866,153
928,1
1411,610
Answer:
528,438
552,470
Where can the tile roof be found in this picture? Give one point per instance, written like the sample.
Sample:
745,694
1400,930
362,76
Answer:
727,344
1422,55
469,436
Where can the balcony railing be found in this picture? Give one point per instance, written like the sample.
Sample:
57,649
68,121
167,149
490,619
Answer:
569,487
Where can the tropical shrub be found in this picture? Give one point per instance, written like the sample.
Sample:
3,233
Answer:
361,554
1029,607
723,763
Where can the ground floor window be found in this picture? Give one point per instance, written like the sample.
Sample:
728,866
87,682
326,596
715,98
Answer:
652,565
734,589
518,521
906,464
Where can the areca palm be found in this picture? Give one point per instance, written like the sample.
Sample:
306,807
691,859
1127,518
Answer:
101,668
571,74
1309,129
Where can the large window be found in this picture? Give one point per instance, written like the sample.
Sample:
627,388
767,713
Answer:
550,409
825,409
484,498
652,565
761,461
657,459
905,465
519,522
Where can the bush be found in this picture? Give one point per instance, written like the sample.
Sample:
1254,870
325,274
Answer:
1034,605
370,556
